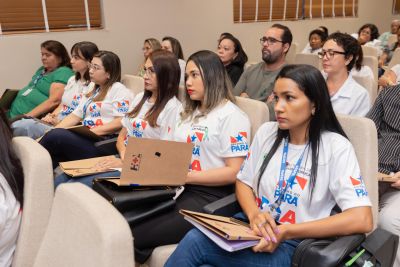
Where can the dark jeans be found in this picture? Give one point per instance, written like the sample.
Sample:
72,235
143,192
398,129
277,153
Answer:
64,145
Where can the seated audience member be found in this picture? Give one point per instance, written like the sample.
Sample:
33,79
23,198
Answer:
390,77
317,163
171,44
43,93
154,114
339,54
257,81
368,35
316,40
149,45
385,114
324,29
101,110
11,193
232,55
387,53
211,121
384,37
78,85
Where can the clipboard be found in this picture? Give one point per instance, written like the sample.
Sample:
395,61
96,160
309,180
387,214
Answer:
7,98
85,132
83,167
386,178
225,227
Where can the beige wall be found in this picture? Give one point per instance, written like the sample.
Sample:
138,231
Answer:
197,24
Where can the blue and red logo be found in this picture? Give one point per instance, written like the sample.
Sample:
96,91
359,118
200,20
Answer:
359,186
123,106
239,142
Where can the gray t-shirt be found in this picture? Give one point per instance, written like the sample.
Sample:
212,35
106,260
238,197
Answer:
257,82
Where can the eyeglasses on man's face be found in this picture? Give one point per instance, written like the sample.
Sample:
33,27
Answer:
329,53
269,40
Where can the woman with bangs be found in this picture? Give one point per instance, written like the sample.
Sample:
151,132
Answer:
101,110
153,116
77,86
219,131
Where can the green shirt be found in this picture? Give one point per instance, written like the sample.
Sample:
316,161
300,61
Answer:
37,92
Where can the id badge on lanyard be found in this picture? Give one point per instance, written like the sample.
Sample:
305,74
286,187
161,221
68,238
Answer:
274,208
37,79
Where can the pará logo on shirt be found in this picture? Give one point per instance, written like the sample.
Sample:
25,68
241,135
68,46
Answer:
239,142
123,106
94,109
359,186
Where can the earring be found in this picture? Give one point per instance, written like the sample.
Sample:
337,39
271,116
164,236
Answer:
313,112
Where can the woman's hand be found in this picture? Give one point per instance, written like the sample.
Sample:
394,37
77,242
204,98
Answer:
269,246
50,118
264,225
108,163
396,184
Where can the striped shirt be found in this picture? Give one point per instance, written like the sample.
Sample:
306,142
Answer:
386,115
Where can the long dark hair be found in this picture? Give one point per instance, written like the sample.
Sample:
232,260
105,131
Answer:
241,57
312,83
216,81
59,50
351,47
86,50
168,73
112,65
175,45
10,165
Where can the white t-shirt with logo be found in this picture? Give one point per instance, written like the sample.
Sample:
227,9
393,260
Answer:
73,92
223,133
139,127
338,178
116,103
10,219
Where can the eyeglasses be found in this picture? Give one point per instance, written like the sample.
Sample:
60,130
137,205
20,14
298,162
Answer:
329,54
149,71
269,40
95,67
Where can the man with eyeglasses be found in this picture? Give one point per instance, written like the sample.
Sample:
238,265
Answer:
257,81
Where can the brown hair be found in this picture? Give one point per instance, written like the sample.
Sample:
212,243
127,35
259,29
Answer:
112,65
168,72
59,50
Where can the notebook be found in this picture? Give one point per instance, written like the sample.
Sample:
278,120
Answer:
151,162
7,98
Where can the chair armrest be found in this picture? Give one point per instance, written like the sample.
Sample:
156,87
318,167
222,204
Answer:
226,206
107,147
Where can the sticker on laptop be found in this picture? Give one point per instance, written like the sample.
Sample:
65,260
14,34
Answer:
135,162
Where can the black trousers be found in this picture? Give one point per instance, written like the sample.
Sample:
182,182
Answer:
170,227
64,145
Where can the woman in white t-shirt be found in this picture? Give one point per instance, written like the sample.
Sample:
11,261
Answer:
77,86
101,110
339,54
11,193
219,131
297,170
153,116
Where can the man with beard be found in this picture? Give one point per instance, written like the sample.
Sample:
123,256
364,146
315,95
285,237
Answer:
257,81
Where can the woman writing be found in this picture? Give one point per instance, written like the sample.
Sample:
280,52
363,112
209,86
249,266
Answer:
77,86
298,168
44,91
219,131
101,110
153,116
